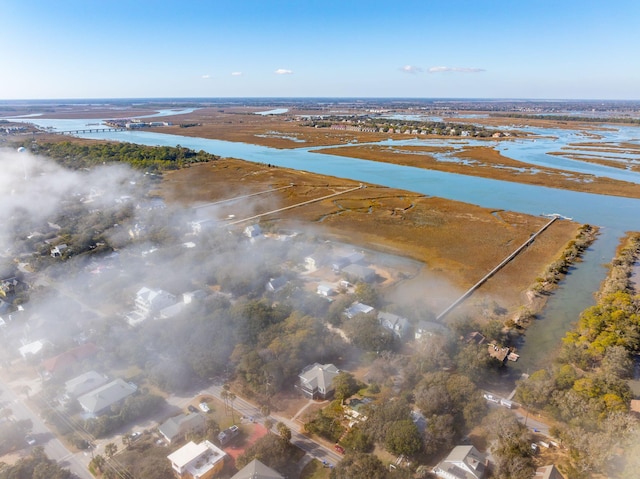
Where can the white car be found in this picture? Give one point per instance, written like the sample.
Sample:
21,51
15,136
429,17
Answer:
204,407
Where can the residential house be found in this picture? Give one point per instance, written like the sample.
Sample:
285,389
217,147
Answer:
502,353
398,325
10,286
197,461
57,251
84,383
312,263
31,349
548,472
150,301
99,400
325,289
180,426
475,337
359,272
252,231
66,360
276,284
428,328
463,462
316,380
256,470
357,308
345,260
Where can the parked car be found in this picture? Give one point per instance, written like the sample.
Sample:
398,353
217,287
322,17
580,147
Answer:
339,448
192,408
30,440
204,407
135,435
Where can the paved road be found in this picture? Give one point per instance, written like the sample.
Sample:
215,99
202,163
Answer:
311,447
43,435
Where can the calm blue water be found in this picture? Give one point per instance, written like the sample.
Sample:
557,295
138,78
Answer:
277,111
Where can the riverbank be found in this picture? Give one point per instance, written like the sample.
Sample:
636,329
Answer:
485,162
458,243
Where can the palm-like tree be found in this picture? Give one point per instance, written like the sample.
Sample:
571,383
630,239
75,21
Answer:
110,450
98,462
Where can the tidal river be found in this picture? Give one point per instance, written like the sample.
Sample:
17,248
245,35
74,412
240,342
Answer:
614,215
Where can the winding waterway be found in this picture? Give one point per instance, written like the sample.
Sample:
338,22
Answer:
614,215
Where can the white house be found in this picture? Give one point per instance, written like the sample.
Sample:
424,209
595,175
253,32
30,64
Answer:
197,461
463,462
84,383
57,251
325,289
150,301
252,231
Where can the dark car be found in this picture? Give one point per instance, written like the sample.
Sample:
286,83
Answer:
192,408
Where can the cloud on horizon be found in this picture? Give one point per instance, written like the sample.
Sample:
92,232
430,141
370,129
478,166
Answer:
455,69
236,74
283,71
411,69
206,77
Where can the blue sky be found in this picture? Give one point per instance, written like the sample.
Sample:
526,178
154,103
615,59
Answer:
261,48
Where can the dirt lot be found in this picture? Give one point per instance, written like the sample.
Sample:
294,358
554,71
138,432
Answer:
458,242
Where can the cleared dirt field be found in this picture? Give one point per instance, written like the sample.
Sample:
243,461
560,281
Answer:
458,242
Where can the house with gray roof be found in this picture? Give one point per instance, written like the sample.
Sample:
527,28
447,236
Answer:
180,426
359,272
399,326
463,462
256,470
99,400
316,380
84,383
357,308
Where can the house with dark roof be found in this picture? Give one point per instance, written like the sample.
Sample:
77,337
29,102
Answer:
463,462
256,470
359,272
178,427
276,284
316,380
99,400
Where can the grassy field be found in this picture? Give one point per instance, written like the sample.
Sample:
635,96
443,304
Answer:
457,242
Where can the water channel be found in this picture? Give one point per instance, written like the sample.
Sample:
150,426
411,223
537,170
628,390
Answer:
614,215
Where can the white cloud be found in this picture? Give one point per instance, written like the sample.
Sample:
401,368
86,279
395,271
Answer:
205,77
411,69
455,69
283,71
236,74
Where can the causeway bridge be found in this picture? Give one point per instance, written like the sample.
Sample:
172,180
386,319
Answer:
88,130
